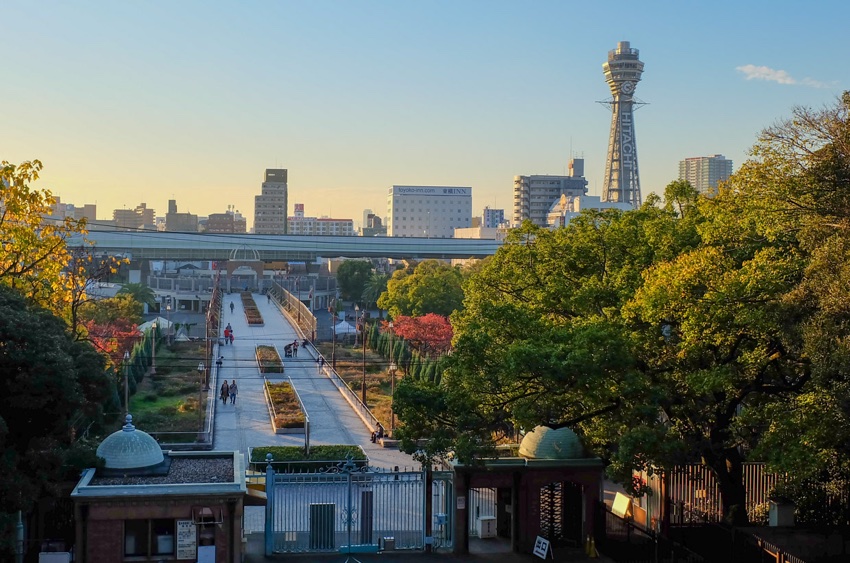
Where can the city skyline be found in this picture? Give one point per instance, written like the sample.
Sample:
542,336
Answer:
127,104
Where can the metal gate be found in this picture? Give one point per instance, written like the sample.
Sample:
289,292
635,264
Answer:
346,508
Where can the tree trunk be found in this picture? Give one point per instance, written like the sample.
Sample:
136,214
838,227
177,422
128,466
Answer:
728,468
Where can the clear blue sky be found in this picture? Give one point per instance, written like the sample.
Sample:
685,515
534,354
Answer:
127,102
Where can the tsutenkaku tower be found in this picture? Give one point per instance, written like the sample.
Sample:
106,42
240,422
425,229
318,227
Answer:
622,73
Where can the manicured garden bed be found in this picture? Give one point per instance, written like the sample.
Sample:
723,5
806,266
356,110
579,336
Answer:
292,458
285,409
268,359
252,313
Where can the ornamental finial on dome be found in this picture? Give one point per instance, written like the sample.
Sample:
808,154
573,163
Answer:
128,423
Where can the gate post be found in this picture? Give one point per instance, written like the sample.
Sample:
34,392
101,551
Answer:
429,486
269,535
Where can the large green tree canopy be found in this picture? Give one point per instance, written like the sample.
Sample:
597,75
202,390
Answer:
48,379
352,276
431,287
690,330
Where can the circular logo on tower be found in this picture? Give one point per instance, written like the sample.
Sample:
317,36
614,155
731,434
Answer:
627,87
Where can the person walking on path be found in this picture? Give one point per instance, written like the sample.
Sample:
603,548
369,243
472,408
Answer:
227,333
321,362
231,307
294,348
225,392
233,392
218,364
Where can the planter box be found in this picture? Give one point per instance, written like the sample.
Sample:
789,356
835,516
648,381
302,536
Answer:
293,429
272,362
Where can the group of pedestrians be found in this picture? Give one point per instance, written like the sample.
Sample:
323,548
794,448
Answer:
229,392
228,334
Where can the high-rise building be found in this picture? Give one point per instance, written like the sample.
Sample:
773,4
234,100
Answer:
270,207
534,195
705,172
428,211
492,218
622,73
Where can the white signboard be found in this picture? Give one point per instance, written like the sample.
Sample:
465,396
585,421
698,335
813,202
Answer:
461,503
541,548
187,539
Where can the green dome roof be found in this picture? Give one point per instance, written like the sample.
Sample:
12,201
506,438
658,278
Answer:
130,449
546,443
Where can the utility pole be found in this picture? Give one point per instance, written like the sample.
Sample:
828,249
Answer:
363,328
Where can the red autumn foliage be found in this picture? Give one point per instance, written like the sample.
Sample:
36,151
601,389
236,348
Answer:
113,339
431,334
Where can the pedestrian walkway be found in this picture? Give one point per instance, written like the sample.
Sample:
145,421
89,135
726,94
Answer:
246,424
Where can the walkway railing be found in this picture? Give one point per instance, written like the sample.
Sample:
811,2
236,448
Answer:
352,397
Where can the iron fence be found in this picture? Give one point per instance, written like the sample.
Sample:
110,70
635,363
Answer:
345,509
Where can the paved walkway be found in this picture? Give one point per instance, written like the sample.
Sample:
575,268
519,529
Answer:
246,424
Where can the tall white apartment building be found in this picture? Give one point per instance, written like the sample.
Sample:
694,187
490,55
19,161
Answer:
534,195
705,172
428,211
271,205
298,224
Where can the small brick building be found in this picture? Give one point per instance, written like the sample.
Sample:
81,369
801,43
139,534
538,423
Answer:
552,490
146,505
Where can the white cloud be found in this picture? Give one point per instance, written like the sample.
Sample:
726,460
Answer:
753,72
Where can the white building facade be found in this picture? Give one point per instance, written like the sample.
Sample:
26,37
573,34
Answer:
428,211
298,224
705,172
565,209
492,218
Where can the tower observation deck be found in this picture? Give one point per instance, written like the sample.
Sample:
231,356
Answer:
622,73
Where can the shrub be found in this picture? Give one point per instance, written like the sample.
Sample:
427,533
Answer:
296,453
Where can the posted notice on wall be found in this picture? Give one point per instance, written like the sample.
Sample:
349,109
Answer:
461,503
187,539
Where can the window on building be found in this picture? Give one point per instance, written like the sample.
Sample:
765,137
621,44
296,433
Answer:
148,538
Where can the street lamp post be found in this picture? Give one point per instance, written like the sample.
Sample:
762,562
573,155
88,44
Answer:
333,324
356,315
126,383
201,369
392,369
363,328
168,321
153,349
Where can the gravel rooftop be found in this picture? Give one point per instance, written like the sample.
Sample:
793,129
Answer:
183,470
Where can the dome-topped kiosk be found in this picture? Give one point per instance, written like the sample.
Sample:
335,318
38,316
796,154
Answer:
549,487
548,443
146,504
129,448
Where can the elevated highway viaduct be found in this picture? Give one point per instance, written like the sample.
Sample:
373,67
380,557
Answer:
150,245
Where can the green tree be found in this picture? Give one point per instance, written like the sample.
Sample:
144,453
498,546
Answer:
49,381
140,292
375,285
122,307
432,287
352,276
